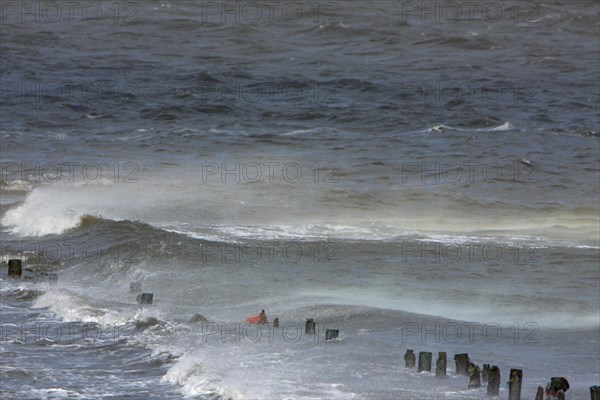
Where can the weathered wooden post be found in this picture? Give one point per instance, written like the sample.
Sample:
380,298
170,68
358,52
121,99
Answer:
145,298
515,381
331,334
52,279
540,393
595,392
473,372
410,359
135,287
310,327
493,387
424,361
557,387
440,365
15,269
276,322
461,361
560,383
484,372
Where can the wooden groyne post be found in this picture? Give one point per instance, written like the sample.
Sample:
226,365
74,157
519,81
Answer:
474,374
331,334
309,329
15,269
515,381
440,365
485,372
493,387
461,361
540,393
424,361
145,298
410,359
557,387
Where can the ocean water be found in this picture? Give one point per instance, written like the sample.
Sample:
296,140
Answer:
418,175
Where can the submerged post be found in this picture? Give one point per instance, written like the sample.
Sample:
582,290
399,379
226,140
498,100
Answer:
424,361
540,393
557,387
515,381
15,269
493,387
144,298
474,375
410,359
331,334
440,365
196,318
310,327
461,361
276,322
484,372
595,392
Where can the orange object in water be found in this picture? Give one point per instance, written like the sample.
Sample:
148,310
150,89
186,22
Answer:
253,320
258,319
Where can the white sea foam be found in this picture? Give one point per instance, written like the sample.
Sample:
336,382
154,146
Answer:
507,126
235,213
54,209
17,185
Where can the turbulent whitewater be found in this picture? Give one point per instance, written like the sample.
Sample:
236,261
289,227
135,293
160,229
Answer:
413,183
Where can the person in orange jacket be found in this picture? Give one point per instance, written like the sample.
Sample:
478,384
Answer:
258,319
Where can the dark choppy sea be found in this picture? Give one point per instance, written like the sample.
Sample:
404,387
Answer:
421,175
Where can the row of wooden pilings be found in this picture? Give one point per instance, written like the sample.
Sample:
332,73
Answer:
309,329
15,270
555,389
